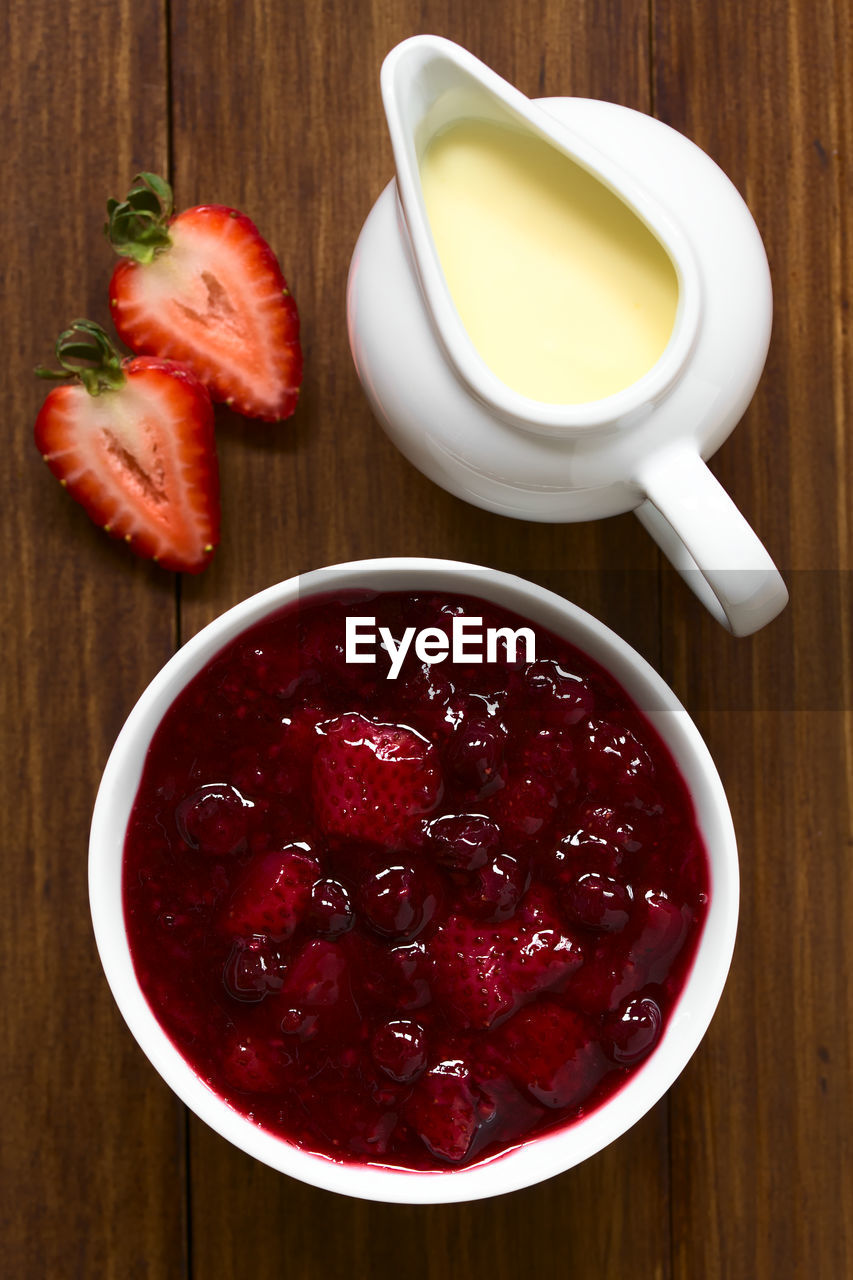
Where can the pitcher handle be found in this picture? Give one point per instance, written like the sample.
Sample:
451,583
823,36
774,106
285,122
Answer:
700,530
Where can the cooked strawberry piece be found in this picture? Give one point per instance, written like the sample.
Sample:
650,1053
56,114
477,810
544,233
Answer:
484,972
134,445
251,1064
546,956
662,932
316,975
356,1122
552,1052
471,971
204,287
371,780
619,968
607,978
443,1111
274,893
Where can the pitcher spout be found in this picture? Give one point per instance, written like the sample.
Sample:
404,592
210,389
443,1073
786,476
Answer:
588,308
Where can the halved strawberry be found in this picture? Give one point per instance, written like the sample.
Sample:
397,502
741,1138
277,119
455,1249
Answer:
133,443
205,287
372,780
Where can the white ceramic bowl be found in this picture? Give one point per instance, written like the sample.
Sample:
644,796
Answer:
544,1156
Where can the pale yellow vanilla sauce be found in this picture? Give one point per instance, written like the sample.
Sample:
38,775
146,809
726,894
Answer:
564,292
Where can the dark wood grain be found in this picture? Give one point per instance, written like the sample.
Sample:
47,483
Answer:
745,1171
761,1119
92,1142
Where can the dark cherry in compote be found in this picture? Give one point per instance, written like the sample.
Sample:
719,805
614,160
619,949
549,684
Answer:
410,922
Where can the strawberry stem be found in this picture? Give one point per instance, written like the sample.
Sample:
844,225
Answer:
138,226
85,352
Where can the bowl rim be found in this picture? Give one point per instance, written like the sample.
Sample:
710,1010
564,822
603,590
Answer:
556,1150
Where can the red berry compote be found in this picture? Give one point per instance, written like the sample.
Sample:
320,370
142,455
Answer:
415,921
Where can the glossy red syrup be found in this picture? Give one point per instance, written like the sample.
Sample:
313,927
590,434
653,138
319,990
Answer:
410,922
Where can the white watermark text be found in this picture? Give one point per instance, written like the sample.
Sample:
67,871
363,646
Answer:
468,642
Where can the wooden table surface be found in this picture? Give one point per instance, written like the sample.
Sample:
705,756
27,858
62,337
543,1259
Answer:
744,1169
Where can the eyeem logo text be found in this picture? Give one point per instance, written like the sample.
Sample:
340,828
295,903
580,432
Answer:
468,642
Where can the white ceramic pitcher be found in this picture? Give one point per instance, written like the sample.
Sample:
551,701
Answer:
639,449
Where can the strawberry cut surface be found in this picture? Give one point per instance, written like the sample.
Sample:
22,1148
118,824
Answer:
373,946
141,459
216,299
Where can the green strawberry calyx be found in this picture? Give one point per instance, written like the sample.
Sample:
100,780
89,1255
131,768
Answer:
137,227
85,352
